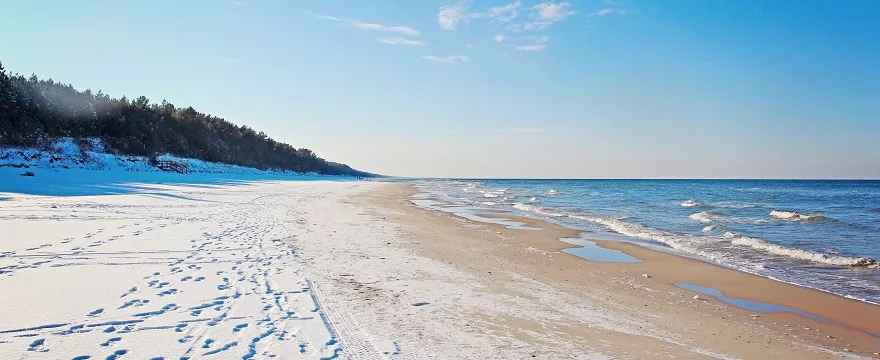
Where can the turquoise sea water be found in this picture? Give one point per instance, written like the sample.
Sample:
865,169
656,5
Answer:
803,232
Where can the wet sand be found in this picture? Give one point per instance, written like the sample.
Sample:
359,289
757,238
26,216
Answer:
497,254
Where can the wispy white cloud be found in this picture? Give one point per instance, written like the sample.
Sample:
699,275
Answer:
524,130
532,48
546,14
401,41
498,38
606,11
371,26
450,16
504,13
452,59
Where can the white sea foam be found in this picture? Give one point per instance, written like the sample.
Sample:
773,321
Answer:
533,199
735,205
691,244
793,216
490,195
524,207
691,203
762,245
489,203
553,192
688,244
712,228
706,216
716,216
537,209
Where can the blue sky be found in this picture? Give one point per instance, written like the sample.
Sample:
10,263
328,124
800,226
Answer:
495,88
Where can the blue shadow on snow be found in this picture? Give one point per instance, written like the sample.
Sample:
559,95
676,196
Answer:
78,182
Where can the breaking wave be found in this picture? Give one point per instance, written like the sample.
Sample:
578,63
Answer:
758,244
717,216
691,203
712,228
707,216
793,216
537,209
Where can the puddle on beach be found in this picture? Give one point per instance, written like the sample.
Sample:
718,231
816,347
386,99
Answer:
750,305
589,250
469,213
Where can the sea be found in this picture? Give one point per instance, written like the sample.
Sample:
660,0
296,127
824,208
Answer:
805,232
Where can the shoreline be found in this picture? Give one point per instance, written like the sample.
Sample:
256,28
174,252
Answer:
638,251
855,323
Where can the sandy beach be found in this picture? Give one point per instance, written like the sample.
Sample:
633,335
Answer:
253,269
503,257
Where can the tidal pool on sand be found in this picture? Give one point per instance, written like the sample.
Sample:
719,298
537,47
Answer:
750,305
589,250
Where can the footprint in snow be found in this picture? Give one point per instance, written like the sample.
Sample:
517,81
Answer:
130,291
117,354
38,346
110,341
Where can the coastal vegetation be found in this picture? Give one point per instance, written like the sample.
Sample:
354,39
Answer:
34,112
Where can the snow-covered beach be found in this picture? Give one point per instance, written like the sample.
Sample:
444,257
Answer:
115,265
157,271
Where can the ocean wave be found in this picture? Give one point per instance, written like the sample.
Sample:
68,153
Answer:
553,192
697,245
691,203
793,216
533,199
537,209
714,227
689,244
490,195
470,187
488,203
735,205
717,216
707,216
758,244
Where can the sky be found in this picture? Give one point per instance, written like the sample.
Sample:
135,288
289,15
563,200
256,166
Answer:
495,89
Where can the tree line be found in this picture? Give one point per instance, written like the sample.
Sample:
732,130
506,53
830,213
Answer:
34,111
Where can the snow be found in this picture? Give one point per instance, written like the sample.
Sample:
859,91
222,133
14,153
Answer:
153,270
66,153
